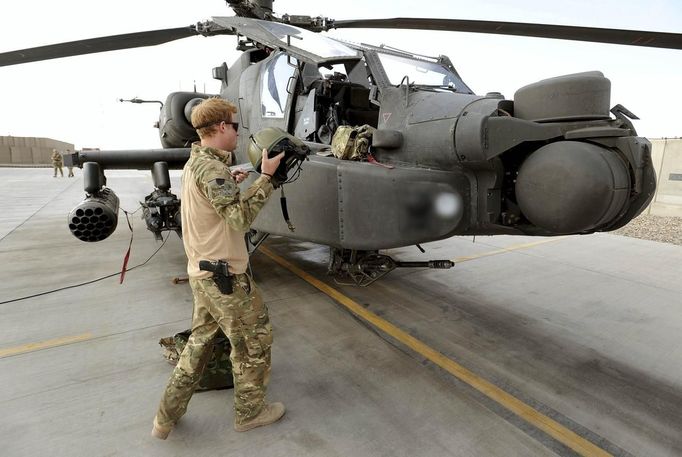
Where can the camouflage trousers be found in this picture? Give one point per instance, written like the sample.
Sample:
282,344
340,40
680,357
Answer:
58,168
243,317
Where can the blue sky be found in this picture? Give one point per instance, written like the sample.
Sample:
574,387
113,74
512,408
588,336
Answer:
75,99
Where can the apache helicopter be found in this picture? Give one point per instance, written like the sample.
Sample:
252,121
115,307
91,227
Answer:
443,161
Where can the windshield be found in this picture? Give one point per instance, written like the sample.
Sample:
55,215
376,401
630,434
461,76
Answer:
418,71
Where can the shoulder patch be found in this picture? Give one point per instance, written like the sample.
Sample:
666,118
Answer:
222,188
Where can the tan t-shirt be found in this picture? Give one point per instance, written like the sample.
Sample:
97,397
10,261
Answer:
215,216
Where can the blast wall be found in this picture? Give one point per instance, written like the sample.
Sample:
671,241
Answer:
19,150
667,157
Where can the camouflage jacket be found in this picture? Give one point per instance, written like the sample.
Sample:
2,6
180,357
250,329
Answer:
56,158
352,143
215,214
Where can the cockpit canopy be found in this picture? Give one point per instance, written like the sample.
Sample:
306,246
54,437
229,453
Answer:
400,69
388,66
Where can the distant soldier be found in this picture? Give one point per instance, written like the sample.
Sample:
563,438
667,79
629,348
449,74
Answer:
215,216
70,167
57,163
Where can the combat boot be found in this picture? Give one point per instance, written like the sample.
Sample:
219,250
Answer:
271,413
160,432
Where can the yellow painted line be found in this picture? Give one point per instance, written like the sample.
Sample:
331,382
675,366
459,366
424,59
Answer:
526,412
30,347
509,249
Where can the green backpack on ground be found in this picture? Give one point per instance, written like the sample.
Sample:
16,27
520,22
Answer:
218,372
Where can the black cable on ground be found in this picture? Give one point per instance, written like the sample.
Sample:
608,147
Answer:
38,210
89,282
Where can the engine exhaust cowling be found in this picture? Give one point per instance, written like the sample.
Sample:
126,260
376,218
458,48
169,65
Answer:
96,217
580,96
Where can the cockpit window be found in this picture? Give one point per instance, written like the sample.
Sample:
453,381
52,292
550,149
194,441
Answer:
274,81
419,72
332,70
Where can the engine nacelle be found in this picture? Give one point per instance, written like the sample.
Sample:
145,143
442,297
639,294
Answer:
573,187
96,217
175,128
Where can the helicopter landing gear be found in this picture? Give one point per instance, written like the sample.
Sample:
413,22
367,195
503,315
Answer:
365,267
254,238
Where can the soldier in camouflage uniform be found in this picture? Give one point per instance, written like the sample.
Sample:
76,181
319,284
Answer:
215,216
57,163
68,151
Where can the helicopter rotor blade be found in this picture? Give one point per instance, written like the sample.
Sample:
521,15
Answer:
563,32
107,43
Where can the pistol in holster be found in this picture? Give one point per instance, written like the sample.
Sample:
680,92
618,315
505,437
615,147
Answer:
221,274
